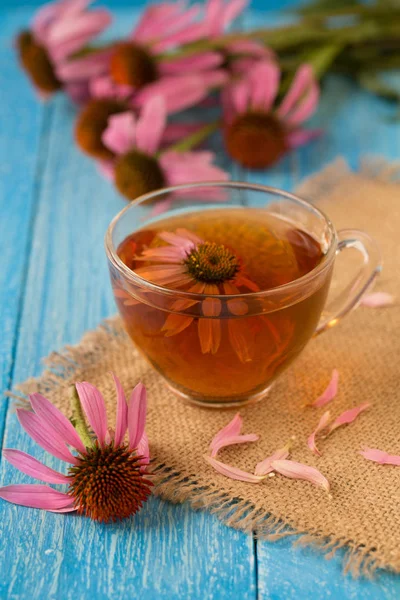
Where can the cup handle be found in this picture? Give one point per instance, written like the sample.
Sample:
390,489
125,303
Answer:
350,297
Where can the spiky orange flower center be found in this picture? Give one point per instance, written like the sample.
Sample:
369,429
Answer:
256,139
36,63
132,65
91,124
137,173
107,484
212,263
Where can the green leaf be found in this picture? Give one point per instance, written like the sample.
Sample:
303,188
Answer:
372,82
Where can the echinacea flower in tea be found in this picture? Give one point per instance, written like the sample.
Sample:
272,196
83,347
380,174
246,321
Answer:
58,31
257,132
106,474
203,267
140,166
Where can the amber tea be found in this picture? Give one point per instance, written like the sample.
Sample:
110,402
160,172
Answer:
207,346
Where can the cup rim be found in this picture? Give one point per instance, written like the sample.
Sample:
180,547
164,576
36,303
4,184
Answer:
127,273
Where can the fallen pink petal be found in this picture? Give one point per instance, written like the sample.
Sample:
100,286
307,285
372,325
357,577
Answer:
348,416
295,470
381,457
330,392
230,435
265,466
323,422
377,300
233,472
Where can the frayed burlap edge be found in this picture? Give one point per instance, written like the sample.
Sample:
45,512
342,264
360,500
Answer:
61,368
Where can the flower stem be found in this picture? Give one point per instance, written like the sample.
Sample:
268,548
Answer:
194,139
79,419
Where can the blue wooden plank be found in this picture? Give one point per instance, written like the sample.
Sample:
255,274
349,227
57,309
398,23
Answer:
166,551
22,122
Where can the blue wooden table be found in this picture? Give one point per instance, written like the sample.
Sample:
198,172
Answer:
54,286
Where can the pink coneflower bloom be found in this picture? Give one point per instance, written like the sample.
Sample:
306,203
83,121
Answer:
201,267
105,476
257,132
140,166
58,31
137,67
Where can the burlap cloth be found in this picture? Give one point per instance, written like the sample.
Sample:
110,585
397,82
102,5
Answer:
363,512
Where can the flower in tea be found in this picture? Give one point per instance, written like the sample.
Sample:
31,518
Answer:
140,166
257,133
106,479
58,31
201,267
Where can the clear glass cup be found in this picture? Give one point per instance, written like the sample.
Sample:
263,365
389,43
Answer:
259,341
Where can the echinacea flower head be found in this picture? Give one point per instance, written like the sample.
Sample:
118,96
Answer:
58,30
257,132
141,66
189,263
140,166
106,474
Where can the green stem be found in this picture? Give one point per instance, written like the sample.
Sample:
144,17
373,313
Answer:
194,139
79,419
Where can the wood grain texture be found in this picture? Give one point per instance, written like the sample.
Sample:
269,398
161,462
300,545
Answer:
54,286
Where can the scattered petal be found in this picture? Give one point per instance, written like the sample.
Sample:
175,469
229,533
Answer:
232,429
348,416
264,467
377,300
381,457
329,394
323,422
233,472
295,470
231,441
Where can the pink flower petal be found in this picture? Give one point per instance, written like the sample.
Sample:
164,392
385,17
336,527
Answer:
231,441
82,69
36,496
45,436
329,394
264,79
104,87
323,422
377,300
233,472
179,92
295,470
301,82
46,411
306,107
151,124
120,134
233,428
122,413
300,137
33,467
137,415
143,450
381,457
264,467
186,167
348,416
95,409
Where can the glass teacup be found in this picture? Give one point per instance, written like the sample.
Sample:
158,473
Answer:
212,331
